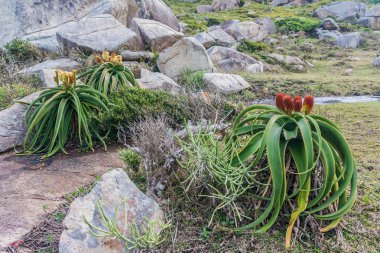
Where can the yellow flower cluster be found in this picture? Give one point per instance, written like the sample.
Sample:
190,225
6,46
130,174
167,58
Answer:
106,57
67,78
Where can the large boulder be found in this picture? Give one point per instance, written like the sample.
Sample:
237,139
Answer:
129,55
205,39
157,81
185,55
12,126
225,83
229,59
347,11
350,40
330,24
114,189
61,63
97,33
204,8
155,34
327,34
38,21
371,18
220,5
222,38
248,30
293,63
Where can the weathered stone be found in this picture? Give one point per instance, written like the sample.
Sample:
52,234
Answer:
219,5
279,2
230,59
327,34
114,189
62,63
97,33
371,22
185,55
47,78
39,21
155,34
12,127
266,24
225,83
157,81
222,38
330,24
205,39
128,55
247,30
287,60
347,11
350,40
376,62
298,68
204,8
226,24
30,188
254,68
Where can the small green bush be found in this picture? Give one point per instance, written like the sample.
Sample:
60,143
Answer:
8,93
297,24
192,81
131,158
22,50
252,46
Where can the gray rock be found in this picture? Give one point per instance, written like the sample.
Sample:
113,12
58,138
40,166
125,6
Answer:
330,24
114,189
371,22
204,8
213,28
225,83
222,38
279,2
350,40
205,39
298,68
347,11
254,68
129,55
219,5
376,62
157,81
39,21
266,24
226,24
185,55
247,30
47,78
62,64
287,60
12,127
327,34
97,33
230,59
155,34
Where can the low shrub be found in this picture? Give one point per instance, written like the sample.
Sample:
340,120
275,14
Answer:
131,158
61,113
192,82
10,92
22,50
252,46
297,24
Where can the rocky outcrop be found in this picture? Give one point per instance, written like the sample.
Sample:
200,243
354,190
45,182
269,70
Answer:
371,18
12,126
217,37
229,60
97,33
347,11
39,21
248,30
225,83
114,189
205,39
185,55
157,81
328,34
293,63
329,24
350,40
219,5
155,35
129,55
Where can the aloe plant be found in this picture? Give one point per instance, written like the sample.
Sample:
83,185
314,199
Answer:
60,113
109,74
324,180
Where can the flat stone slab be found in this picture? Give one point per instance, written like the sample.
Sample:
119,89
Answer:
62,63
29,189
225,83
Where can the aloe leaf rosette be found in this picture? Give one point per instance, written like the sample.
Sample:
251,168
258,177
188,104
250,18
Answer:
61,113
309,163
108,74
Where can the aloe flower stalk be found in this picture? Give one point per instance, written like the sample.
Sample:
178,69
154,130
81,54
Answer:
308,104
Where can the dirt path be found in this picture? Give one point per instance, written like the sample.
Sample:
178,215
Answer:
29,188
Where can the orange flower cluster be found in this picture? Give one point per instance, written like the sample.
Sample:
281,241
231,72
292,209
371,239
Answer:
106,57
68,78
290,105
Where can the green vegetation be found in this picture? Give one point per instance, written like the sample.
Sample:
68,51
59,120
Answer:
192,82
109,74
252,46
297,24
61,113
8,93
22,50
131,158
